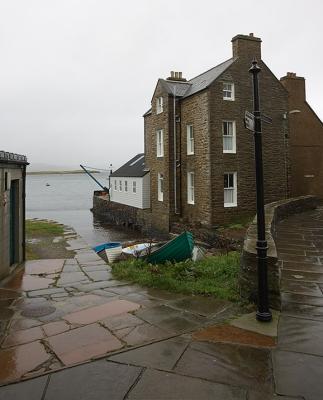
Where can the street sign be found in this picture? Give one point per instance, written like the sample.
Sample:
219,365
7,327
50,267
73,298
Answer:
249,121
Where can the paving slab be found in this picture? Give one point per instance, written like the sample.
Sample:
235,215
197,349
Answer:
69,278
298,374
54,328
302,276
250,323
302,299
97,313
24,336
142,334
36,267
71,268
98,276
301,335
161,355
17,361
228,363
94,381
28,390
46,292
167,386
299,287
303,311
23,323
121,321
205,306
82,344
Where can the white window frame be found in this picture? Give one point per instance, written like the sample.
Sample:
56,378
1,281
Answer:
232,189
160,186
115,185
126,186
159,105
190,188
232,136
190,139
160,142
134,187
226,91
120,185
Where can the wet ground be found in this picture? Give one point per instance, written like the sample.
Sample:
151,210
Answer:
151,344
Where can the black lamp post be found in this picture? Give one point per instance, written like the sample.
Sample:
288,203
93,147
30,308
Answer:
263,312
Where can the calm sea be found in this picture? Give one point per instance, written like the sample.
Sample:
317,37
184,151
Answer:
67,199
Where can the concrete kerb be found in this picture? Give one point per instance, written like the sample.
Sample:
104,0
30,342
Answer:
275,212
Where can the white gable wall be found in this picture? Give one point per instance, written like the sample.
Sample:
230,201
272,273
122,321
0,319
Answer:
140,199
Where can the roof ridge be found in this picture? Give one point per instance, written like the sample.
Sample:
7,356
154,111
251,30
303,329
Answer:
216,66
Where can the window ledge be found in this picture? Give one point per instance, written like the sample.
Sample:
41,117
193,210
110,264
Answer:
190,154
228,205
191,203
229,152
228,98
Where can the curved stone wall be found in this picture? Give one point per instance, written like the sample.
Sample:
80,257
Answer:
274,212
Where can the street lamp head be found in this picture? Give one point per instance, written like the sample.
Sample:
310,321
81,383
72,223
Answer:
254,69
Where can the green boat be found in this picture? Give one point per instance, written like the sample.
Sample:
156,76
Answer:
175,250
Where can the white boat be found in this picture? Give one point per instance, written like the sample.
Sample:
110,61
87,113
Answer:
139,250
113,253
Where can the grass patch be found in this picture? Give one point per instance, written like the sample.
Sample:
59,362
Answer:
213,276
43,228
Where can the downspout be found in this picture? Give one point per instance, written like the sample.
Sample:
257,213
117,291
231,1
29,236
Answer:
24,213
175,152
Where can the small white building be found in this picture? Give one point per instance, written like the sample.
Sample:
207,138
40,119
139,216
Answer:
130,184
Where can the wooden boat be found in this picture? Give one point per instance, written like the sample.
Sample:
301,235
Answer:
112,251
140,249
175,250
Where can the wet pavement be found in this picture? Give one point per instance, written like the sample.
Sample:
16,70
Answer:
71,331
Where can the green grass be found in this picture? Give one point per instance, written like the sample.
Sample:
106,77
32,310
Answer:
213,276
43,228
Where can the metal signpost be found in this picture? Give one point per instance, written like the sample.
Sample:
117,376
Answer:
253,122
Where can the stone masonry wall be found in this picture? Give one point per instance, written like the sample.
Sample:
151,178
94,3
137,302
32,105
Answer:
274,103
275,212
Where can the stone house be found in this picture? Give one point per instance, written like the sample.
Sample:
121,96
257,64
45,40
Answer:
12,211
305,141
200,155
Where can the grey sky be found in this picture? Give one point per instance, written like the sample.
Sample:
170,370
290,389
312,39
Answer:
77,75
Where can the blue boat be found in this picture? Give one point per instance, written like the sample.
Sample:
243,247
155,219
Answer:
104,246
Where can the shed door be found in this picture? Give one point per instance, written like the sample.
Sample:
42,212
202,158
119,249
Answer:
14,225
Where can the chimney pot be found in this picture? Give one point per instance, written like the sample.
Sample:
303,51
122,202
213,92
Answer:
251,34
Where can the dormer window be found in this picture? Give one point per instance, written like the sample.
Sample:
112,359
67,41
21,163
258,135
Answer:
159,105
228,91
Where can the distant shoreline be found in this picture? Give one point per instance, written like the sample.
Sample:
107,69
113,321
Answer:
60,172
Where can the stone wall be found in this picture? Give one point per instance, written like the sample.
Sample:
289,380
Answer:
275,212
123,215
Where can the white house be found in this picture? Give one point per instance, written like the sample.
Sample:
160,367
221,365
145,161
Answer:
130,184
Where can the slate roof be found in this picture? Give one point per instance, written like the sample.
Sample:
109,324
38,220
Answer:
133,168
194,85
203,80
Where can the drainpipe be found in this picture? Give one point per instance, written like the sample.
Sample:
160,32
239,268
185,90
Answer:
175,153
24,213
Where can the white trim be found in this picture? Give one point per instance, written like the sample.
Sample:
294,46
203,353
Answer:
160,186
160,142
227,90
190,139
159,105
190,188
230,190
233,136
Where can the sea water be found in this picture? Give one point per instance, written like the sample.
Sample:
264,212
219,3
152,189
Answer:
67,198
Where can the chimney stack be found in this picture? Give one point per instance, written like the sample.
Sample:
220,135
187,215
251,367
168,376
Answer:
246,46
176,76
295,86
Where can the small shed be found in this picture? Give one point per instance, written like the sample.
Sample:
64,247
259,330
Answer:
130,184
12,211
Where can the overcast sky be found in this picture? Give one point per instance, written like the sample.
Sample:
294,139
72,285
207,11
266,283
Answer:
77,75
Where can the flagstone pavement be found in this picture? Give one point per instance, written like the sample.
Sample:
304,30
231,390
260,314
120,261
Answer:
71,331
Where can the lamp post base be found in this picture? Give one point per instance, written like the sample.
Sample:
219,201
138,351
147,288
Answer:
264,316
